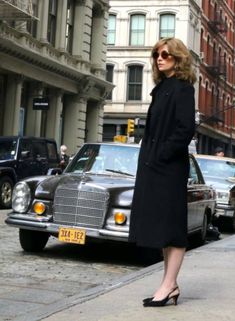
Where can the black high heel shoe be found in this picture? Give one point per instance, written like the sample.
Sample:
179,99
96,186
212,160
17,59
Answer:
150,302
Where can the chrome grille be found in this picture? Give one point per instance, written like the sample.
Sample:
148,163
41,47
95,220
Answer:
80,205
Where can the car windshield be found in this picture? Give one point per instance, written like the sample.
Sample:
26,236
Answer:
8,149
216,168
105,159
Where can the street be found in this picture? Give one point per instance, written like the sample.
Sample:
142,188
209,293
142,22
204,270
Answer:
30,283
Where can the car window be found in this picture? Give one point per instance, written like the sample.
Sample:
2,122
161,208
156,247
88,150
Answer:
52,152
105,158
8,149
26,146
216,168
39,149
193,173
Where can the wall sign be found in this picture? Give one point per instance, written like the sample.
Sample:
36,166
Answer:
41,103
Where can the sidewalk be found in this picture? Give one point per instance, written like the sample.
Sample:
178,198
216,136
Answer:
207,283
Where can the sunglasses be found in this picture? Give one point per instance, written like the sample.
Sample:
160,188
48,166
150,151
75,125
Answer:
164,54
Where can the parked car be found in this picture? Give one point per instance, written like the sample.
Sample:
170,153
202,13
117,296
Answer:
92,199
219,172
21,157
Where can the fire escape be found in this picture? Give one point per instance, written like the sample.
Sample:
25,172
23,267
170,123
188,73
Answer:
217,67
16,10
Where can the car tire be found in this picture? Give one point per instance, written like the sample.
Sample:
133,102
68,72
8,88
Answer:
201,235
6,188
233,222
149,256
33,241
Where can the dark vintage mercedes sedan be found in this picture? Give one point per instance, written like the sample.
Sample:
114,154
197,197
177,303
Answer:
92,199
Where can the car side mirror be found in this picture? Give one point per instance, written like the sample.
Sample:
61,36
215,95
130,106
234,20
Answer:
25,154
54,171
190,181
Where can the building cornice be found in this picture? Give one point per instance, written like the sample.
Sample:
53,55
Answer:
28,50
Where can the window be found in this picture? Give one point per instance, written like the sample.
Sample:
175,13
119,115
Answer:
109,77
193,176
52,152
137,28
111,29
167,25
69,25
51,31
134,87
32,24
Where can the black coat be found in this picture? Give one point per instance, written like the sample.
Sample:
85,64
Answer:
159,208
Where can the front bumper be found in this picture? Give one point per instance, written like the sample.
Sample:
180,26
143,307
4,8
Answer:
44,224
224,210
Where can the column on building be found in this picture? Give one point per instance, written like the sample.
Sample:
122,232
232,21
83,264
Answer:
60,40
82,29
33,117
43,20
53,123
94,121
98,38
74,122
12,110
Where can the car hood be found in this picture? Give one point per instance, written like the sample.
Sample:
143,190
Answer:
120,188
221,183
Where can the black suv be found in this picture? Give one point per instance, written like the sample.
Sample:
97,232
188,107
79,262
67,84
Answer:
21,157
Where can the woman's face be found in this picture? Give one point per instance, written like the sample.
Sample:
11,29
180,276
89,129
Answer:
165,61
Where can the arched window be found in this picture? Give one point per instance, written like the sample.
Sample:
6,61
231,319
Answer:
137,29
167,25
111,30
134,82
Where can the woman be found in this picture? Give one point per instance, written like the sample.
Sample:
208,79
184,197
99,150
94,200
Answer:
159,209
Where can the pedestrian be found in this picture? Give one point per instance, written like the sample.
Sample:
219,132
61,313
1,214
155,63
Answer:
64,158
219,151
159,208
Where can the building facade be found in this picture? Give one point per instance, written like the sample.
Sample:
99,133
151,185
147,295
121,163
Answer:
52,69
217,77
133,29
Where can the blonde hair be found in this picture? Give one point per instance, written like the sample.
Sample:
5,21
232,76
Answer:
183,58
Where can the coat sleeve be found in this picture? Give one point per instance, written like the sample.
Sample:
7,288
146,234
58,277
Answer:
184,129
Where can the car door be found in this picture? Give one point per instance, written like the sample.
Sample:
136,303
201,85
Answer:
26,161
40,155
195,198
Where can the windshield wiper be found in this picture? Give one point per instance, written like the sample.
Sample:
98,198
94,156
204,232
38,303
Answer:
118,172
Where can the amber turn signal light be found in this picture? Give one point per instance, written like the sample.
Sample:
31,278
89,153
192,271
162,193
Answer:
39,208
119,218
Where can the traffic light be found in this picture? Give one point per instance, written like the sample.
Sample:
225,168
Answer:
130,126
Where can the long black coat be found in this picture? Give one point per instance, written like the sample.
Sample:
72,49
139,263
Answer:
159,208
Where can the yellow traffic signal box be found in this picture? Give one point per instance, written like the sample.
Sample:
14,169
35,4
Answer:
130,126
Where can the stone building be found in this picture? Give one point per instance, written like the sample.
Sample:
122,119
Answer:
52,69
133,28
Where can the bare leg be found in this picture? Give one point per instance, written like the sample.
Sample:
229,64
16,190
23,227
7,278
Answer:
173,258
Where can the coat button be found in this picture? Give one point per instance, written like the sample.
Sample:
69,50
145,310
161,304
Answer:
147,163
153,140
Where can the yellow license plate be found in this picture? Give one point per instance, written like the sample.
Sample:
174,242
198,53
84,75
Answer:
72,235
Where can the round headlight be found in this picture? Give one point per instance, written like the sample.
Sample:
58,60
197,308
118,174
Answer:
21,197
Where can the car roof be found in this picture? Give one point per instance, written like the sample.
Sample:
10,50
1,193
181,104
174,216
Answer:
215,158
114,144
27,137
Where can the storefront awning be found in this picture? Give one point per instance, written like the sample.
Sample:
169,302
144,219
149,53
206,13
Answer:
16,10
